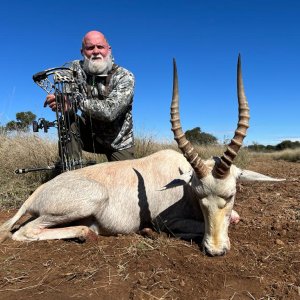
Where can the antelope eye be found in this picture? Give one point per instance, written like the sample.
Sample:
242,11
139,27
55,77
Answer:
229,198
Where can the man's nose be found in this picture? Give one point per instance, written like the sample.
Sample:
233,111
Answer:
96,51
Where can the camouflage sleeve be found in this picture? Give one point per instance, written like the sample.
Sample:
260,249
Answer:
116,102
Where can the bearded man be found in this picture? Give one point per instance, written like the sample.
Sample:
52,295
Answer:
105,124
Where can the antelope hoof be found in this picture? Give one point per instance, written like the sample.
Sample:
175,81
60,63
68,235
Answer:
91,237
148,233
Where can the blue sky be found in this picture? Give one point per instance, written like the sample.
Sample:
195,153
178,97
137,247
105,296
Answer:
205,37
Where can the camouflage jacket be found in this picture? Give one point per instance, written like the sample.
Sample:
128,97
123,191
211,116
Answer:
107,105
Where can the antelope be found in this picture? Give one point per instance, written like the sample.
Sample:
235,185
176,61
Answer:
181,194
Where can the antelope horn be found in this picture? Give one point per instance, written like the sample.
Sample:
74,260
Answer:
184,145
221,169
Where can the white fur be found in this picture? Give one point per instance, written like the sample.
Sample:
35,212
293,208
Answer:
125,196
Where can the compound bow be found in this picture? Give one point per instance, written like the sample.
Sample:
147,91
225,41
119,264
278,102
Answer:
63,82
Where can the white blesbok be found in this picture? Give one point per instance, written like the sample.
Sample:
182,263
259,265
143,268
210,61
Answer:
127,196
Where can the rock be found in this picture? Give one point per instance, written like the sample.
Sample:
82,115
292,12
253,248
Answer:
279,242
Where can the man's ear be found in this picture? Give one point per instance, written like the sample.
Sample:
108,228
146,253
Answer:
183,179
81,51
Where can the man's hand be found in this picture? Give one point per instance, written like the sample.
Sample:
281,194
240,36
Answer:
51,102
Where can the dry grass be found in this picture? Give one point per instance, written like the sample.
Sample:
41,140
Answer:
28,150
147,144
20,151
291,155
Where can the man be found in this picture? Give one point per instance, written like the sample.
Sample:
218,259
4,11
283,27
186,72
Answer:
105,125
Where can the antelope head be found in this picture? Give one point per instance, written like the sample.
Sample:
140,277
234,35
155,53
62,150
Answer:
214,180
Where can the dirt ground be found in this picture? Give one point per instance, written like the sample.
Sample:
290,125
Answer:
263,263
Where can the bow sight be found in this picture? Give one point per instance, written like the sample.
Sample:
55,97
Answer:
64,84
43,124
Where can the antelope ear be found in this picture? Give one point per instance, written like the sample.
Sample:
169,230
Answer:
183,179
247,175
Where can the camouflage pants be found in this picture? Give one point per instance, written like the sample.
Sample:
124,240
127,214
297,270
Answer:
81,139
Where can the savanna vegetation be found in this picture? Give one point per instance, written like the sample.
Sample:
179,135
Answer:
284,145
20,148
22,123
286,150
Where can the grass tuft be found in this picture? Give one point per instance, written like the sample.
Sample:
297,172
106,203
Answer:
291,155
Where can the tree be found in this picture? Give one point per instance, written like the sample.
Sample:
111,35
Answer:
24,120
196,136
287,144
256,147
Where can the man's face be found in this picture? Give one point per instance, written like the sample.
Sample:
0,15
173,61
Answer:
95,44
97,54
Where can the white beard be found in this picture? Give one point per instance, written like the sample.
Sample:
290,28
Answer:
98,66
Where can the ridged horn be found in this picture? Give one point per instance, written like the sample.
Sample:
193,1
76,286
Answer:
221,169
184,145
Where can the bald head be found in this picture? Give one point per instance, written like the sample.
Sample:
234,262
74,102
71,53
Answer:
94,43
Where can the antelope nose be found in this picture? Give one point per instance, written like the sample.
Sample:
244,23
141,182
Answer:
215,253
